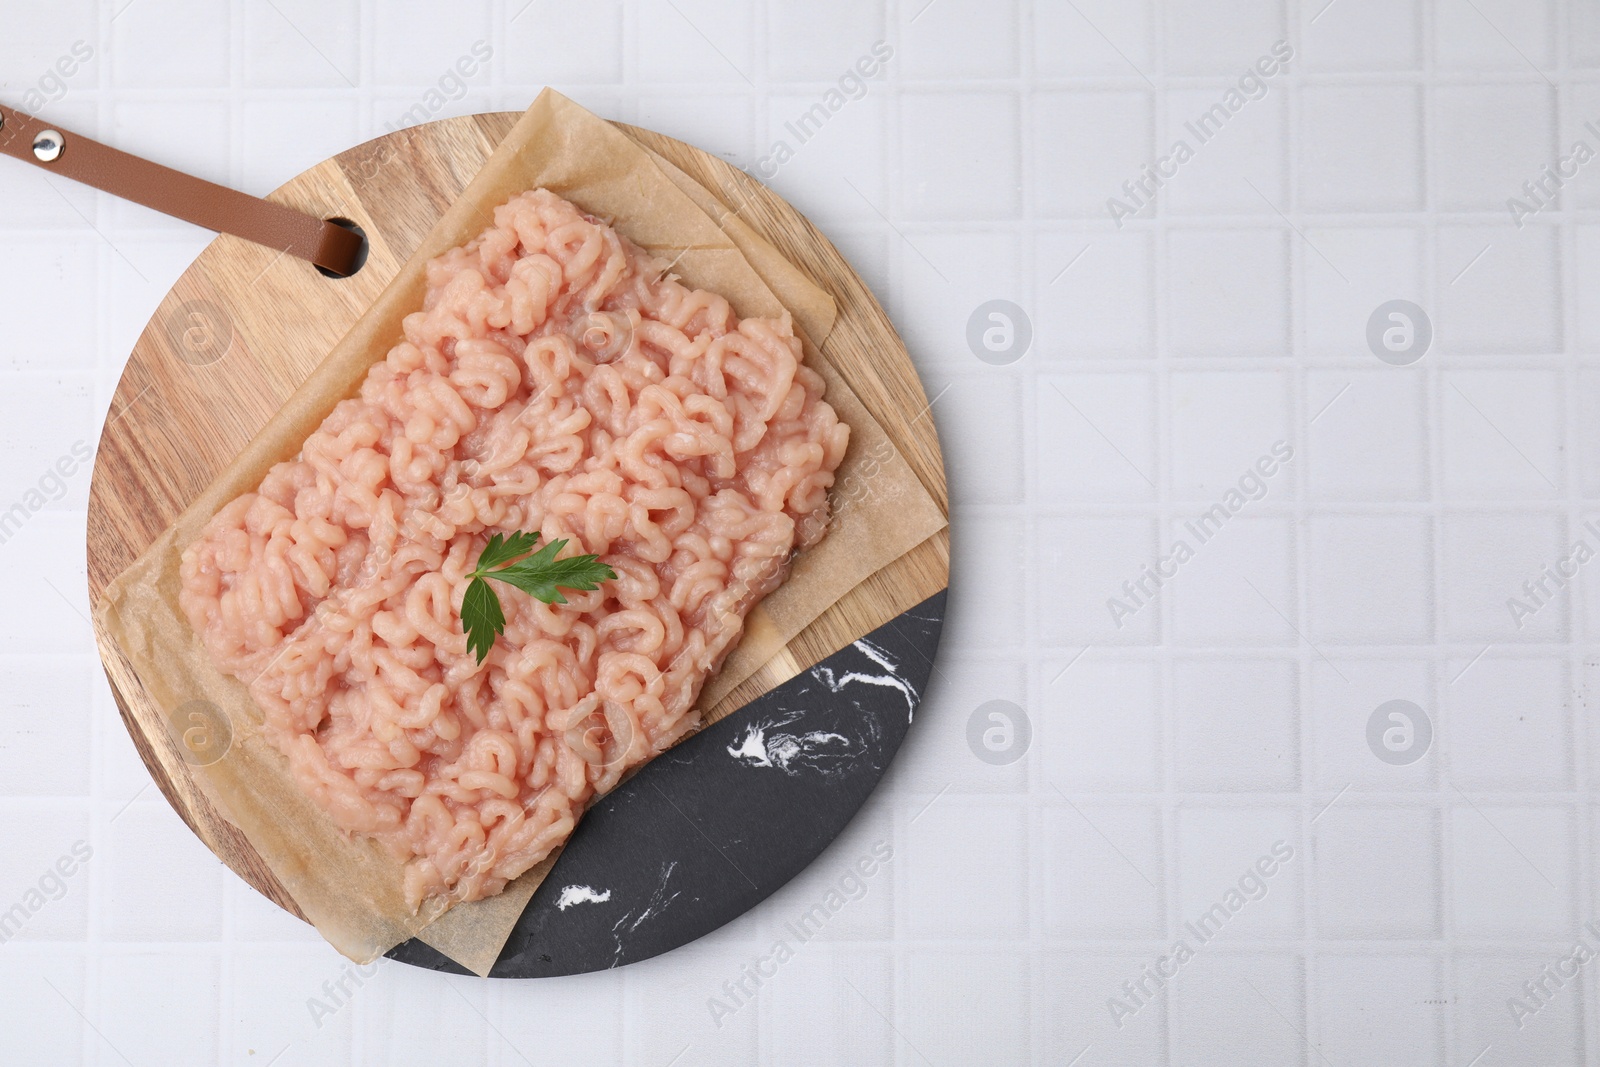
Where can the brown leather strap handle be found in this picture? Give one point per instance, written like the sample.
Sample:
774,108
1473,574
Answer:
192,199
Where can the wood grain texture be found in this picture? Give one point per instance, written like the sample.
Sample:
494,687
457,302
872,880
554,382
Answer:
244,326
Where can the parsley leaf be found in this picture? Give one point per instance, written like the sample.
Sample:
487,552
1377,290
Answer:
482,617
502,549
538,575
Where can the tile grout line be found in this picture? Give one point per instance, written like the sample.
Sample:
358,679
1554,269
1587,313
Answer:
1432,399
1027,370
1582,871
1172,811
1309,925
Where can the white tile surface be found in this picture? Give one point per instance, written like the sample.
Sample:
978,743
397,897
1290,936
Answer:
696,41
965,1007
269,1006
1218,847
405,1015
136,987
1361,148
935,275
819,41
976,571
1100,724
1371,579
1221,424
1501,433
151,850
1087,144
324,53
1236,725
1083,564
966,893
1487,141
1342,695
1586,267
1093,37
1074,977
399,52
46,987
1241,168
1219,38
1368,436
953,696
1226,292
1096,437
1485,559
1337,305
1493,34
668,1003
1232,1009
1376,873
140,43
992,470
1360,35
1229,712
533,46
1096,299
1499,295
576,1023
959,156
1486,981
1100,868
46,752
1379,1008
960,39
1512,866
1512,727
1235,590
828,1006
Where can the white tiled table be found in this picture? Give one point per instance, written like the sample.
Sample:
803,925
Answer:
1168,755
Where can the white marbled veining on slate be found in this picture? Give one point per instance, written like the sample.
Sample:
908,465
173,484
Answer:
764,745
581,894
890,678
659,900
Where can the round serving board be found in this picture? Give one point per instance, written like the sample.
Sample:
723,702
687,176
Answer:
244,326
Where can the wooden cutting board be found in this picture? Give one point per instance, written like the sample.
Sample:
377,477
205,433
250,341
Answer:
244,326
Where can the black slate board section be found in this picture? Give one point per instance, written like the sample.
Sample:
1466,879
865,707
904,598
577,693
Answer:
711,828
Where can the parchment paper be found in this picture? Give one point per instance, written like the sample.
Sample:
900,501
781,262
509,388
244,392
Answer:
349,886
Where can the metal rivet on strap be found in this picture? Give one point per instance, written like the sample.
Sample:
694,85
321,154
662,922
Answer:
48,145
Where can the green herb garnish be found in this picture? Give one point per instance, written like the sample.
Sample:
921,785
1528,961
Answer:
538,575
